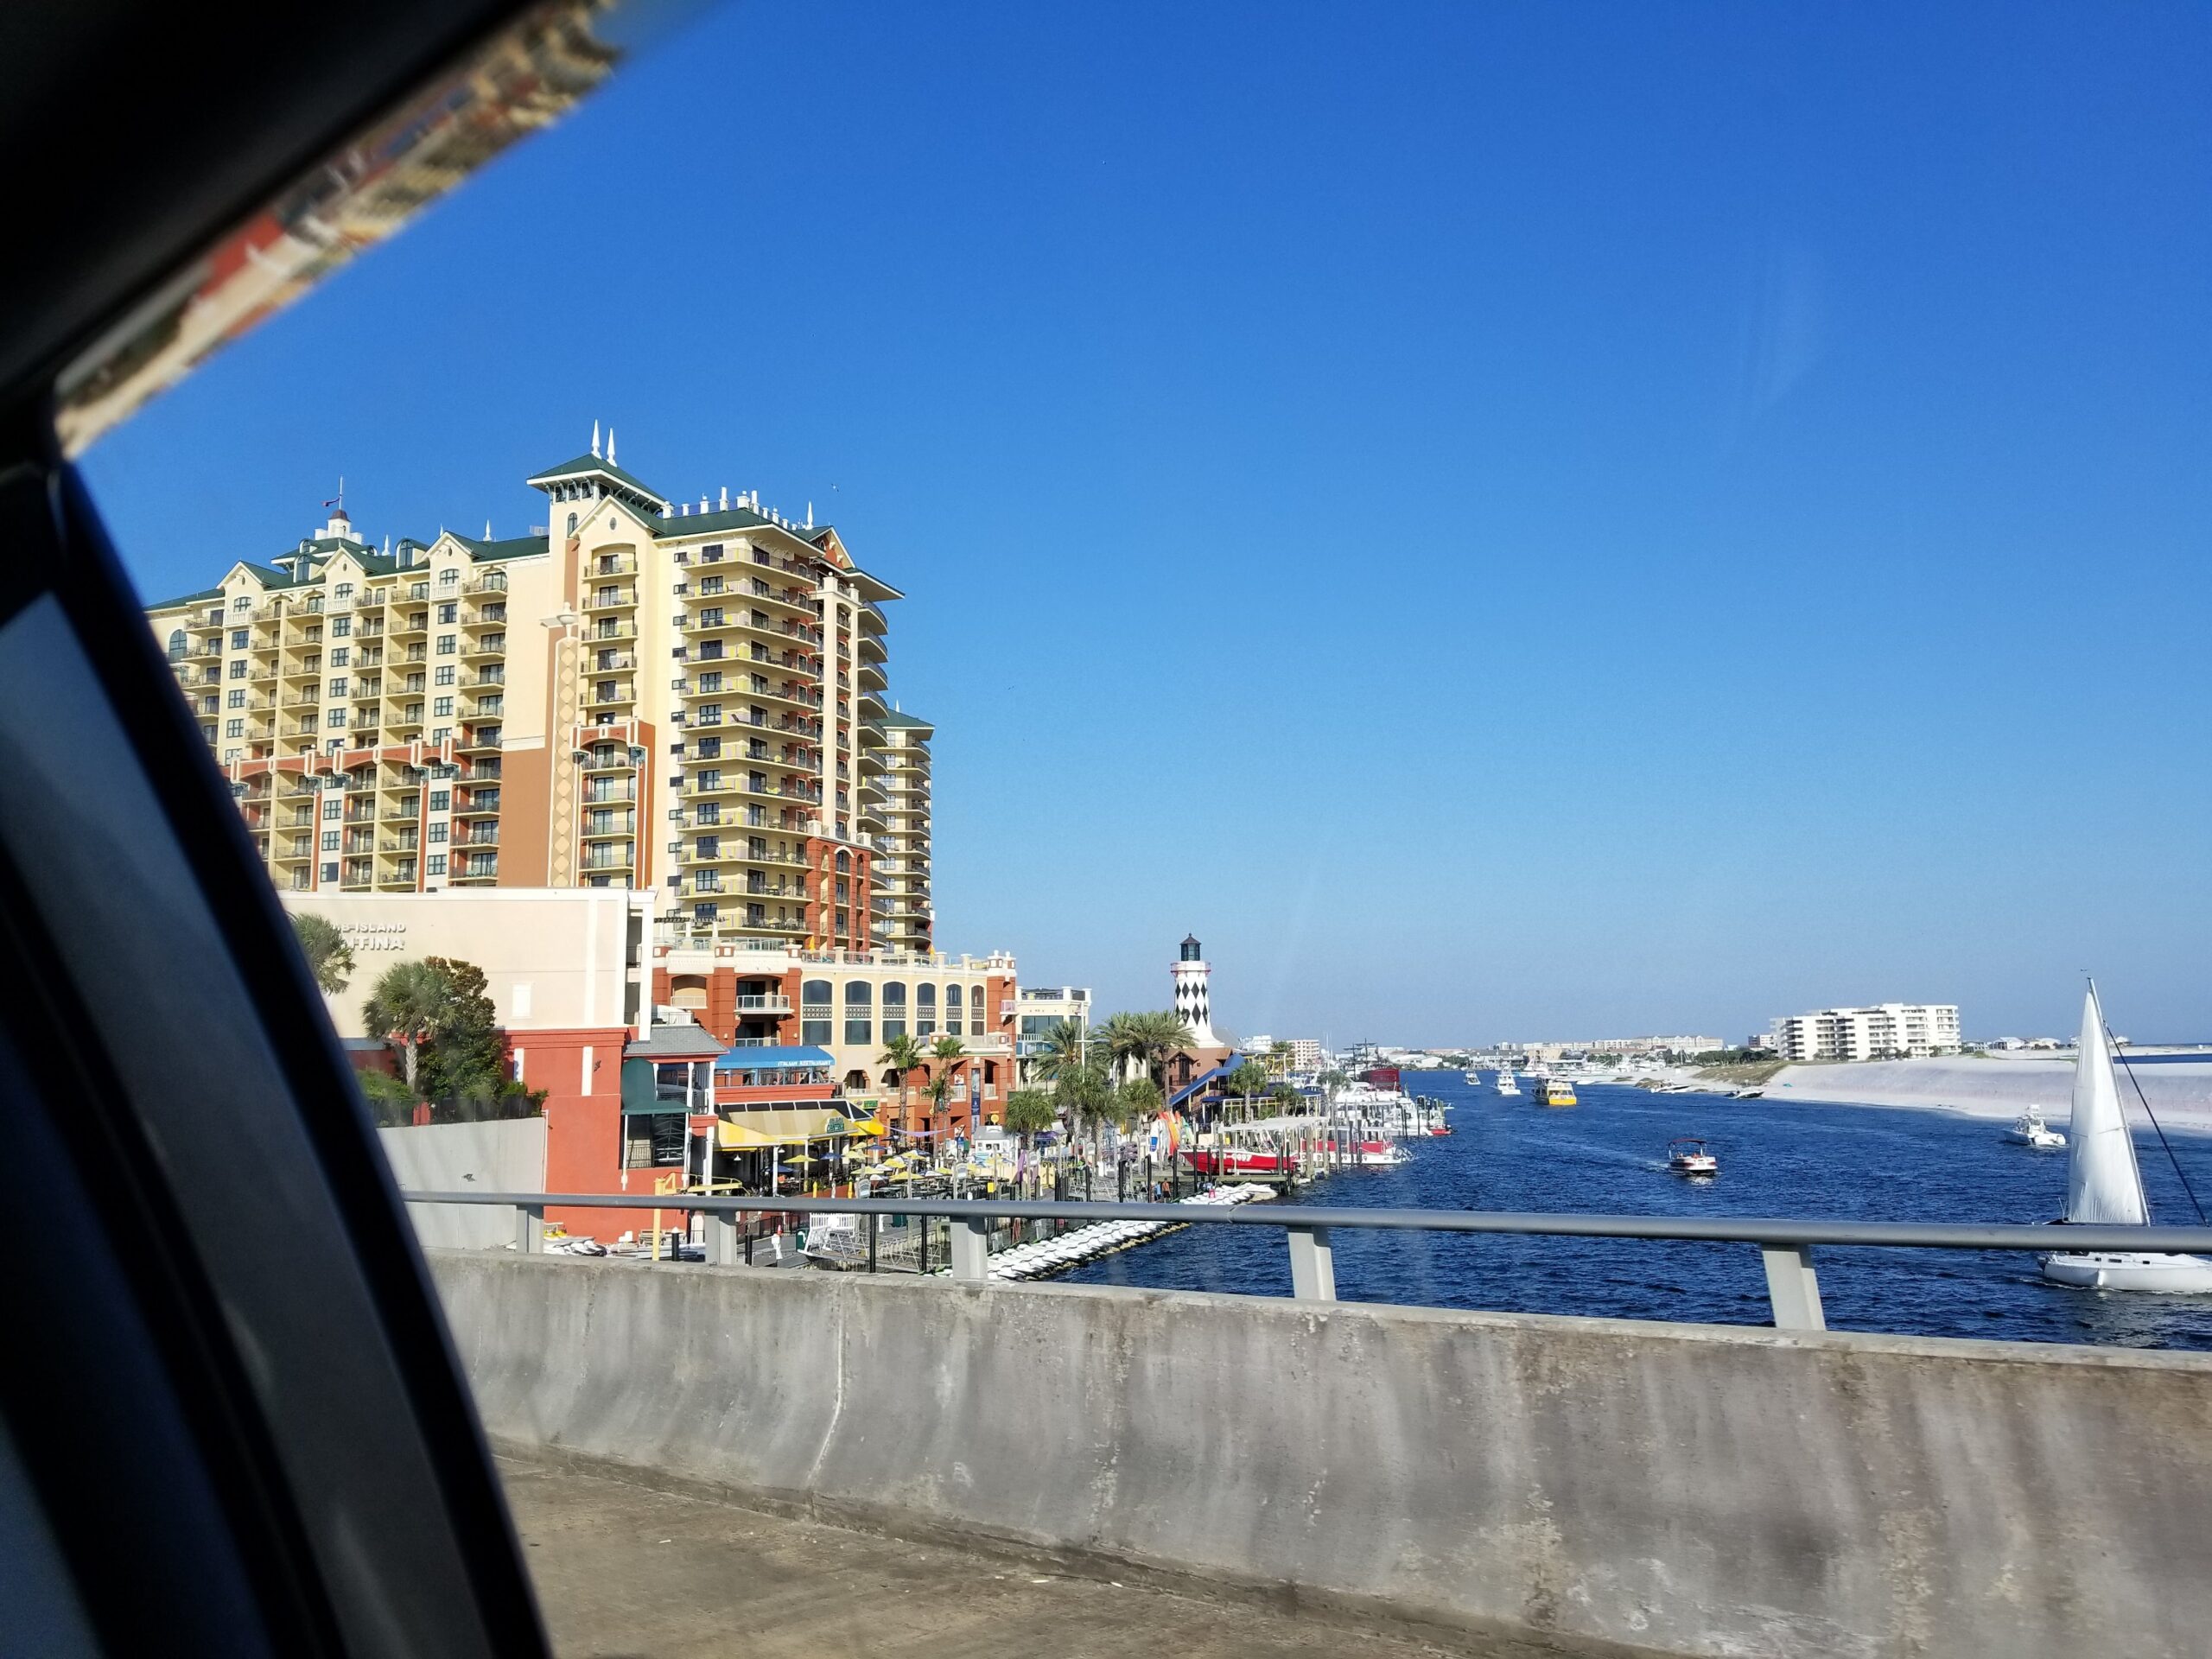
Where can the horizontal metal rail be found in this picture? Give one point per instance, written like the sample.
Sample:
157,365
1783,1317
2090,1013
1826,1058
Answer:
1785,1242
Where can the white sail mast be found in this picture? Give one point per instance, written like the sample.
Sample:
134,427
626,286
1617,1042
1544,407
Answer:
2102,1182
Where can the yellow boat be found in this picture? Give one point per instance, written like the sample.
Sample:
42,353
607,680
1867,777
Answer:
1556,1091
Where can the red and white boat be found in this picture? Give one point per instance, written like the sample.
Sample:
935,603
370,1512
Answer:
1233,1160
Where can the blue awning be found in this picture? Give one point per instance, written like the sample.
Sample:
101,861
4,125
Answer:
772,1060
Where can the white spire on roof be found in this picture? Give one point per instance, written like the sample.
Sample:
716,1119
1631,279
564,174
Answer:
595,440
610,446
488,529
725,506
810,515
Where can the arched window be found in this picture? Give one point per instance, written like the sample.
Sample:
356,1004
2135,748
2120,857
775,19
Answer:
925,1010
814,1006
975,1010
177,646
844,863
858,1026
894,1011
952,1007
572,524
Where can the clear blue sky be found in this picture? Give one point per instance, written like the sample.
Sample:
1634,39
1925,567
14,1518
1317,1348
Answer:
1507,520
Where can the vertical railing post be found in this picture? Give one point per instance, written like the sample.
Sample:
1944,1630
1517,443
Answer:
1793,1287
874,1225
721,1238
1312,1265
529,1229
922,1261
971,1248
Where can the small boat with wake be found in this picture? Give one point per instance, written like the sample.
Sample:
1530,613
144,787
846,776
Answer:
1687,1156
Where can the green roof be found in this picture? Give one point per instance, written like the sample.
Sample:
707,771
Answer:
893,717
511,547
590,466
200,598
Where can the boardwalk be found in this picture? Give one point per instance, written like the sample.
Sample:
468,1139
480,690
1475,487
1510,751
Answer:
624,1572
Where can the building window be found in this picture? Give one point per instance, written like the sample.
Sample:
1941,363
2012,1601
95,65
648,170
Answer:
572,524
330,872
440,733
330,809
340,627
177,646
345,590
238,671
337,688
925,1010
844,862
448,613
234,729
335,720
330,839
241,604
236,700
449,575
442,708
857,1024
894,1010
440,799
238,638
444,675
341,656
438,831
710,748
952,1008
437,864
445,645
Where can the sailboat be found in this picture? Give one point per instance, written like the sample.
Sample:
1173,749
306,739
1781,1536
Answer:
2104,1186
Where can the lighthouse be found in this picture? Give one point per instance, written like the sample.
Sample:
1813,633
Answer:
1193,1005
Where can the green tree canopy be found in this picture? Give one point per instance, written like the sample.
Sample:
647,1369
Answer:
1063,1048
330,959
1029,1112
403,1007
1139,1098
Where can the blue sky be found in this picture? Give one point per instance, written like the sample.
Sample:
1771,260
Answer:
1510,521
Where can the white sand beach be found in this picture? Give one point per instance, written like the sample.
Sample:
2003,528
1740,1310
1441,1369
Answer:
2179,1091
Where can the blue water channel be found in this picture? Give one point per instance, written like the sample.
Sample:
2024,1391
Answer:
1863,1163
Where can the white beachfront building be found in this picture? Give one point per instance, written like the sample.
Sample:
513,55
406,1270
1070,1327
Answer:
1882,1030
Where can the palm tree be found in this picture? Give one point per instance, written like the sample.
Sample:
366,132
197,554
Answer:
902,1054
947,1052
1084,1094
403,1006
1029,1112
1249,1082
1125,1037
330,959
1063,1048
1162,1034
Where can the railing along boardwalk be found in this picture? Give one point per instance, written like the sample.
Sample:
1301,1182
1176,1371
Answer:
1785,1244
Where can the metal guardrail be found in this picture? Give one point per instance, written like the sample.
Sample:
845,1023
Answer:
1785,1244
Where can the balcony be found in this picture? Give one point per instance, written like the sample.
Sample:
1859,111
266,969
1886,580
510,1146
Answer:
614,564
493,615
479,835
489,582
478,742
611,760
619,823
777,1004
406,843
613,661
618,597
402,806
411,625
476,804
612,628
482,647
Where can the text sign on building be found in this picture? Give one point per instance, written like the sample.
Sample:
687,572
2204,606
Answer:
373,936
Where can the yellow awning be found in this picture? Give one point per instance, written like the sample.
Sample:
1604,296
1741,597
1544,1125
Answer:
864,1128
786,1126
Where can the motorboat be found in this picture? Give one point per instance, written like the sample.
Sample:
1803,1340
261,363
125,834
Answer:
2104,1185
1232,1161
1556,1091
1505,1084
1687,1156
2030,1130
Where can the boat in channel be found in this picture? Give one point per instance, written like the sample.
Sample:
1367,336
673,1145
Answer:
1505,1084
2030,1130
2104,1184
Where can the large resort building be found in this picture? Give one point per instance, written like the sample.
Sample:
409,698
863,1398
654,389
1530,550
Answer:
688,698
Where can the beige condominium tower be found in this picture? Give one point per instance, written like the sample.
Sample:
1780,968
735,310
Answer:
688,697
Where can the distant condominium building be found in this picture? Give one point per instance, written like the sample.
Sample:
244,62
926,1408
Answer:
1883,1031
689,697
1043,1006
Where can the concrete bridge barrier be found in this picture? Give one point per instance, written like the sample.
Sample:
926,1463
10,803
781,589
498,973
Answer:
1600,1486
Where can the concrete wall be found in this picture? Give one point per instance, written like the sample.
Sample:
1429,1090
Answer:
1602,1485
507,1156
